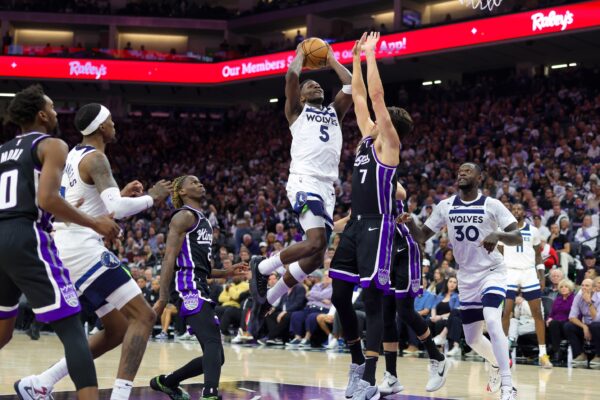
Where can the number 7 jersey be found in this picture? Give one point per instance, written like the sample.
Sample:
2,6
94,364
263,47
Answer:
316,143
468,224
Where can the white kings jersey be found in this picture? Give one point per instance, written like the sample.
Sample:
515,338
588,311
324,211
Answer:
73,188
316,143
468,224
523,257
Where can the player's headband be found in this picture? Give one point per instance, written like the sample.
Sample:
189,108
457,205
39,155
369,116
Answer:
100,118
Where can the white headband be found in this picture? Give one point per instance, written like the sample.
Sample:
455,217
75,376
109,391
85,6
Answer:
100,118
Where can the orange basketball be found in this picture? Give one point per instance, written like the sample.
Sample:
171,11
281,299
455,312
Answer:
315,53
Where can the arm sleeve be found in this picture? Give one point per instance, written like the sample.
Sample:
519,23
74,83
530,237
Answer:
124,206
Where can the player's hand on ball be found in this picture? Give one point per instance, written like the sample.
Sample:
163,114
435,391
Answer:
371,41
359,44
490,242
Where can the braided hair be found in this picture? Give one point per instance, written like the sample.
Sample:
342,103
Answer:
175,197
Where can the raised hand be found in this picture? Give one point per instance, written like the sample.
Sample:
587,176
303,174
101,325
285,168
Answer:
133,189
161,190
358,45
371,41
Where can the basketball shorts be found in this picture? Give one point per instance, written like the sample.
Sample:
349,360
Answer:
526,280
29,264
102,284
473,286
307,193
406,267
365,252
193,291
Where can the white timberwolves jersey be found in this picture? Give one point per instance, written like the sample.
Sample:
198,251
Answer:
523,257
316,143
74,188
468,224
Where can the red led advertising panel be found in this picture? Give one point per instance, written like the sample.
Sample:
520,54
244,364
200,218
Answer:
523,25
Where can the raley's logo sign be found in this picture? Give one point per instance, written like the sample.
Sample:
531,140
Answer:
97,71
504,28
553,19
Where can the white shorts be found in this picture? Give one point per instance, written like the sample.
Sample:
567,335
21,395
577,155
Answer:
307,193
101,283
473,287
82,251
525,279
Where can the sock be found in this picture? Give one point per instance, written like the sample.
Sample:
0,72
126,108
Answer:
432,349
493,320
506,379
55,373
542,349
194,368
277,291
121,390
267,266
356,353
390,362
370,366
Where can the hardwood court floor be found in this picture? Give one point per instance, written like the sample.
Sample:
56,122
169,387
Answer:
270,374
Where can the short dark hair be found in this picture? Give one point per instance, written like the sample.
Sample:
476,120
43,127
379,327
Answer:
475,166
401,120
24,107
304,82
86,114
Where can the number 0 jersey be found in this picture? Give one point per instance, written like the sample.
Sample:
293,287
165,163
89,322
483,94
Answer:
316,143
468,224
19,177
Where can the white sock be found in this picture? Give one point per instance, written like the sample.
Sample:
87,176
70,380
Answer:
121,390
55,373
542,348
478,342
493,320
267,266
277,291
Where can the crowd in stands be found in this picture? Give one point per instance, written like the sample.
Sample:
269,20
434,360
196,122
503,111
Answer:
536,139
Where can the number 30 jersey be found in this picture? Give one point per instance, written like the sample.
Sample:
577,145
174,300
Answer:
468,224
316,143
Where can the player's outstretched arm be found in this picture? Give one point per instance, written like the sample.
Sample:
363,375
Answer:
420,234
97,168
343,99
359,91
180,223
387,133
233,271
293,106
52,153
510,237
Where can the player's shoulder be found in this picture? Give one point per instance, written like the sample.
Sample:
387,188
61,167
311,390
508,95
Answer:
446,203
495,204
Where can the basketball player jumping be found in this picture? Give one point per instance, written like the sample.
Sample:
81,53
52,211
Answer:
316,149
364,254
188,257
31,167
473,223
526,272
103,285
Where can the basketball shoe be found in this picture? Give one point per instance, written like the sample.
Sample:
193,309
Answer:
175,393
30,388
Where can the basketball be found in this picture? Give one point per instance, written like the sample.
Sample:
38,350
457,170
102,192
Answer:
315,52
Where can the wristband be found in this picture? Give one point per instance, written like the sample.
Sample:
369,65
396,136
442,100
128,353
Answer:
541,267
347,89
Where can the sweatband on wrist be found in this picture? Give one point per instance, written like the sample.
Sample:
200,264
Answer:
347,89
124,206
540,267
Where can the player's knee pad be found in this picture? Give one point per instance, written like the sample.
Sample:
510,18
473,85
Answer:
297,272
